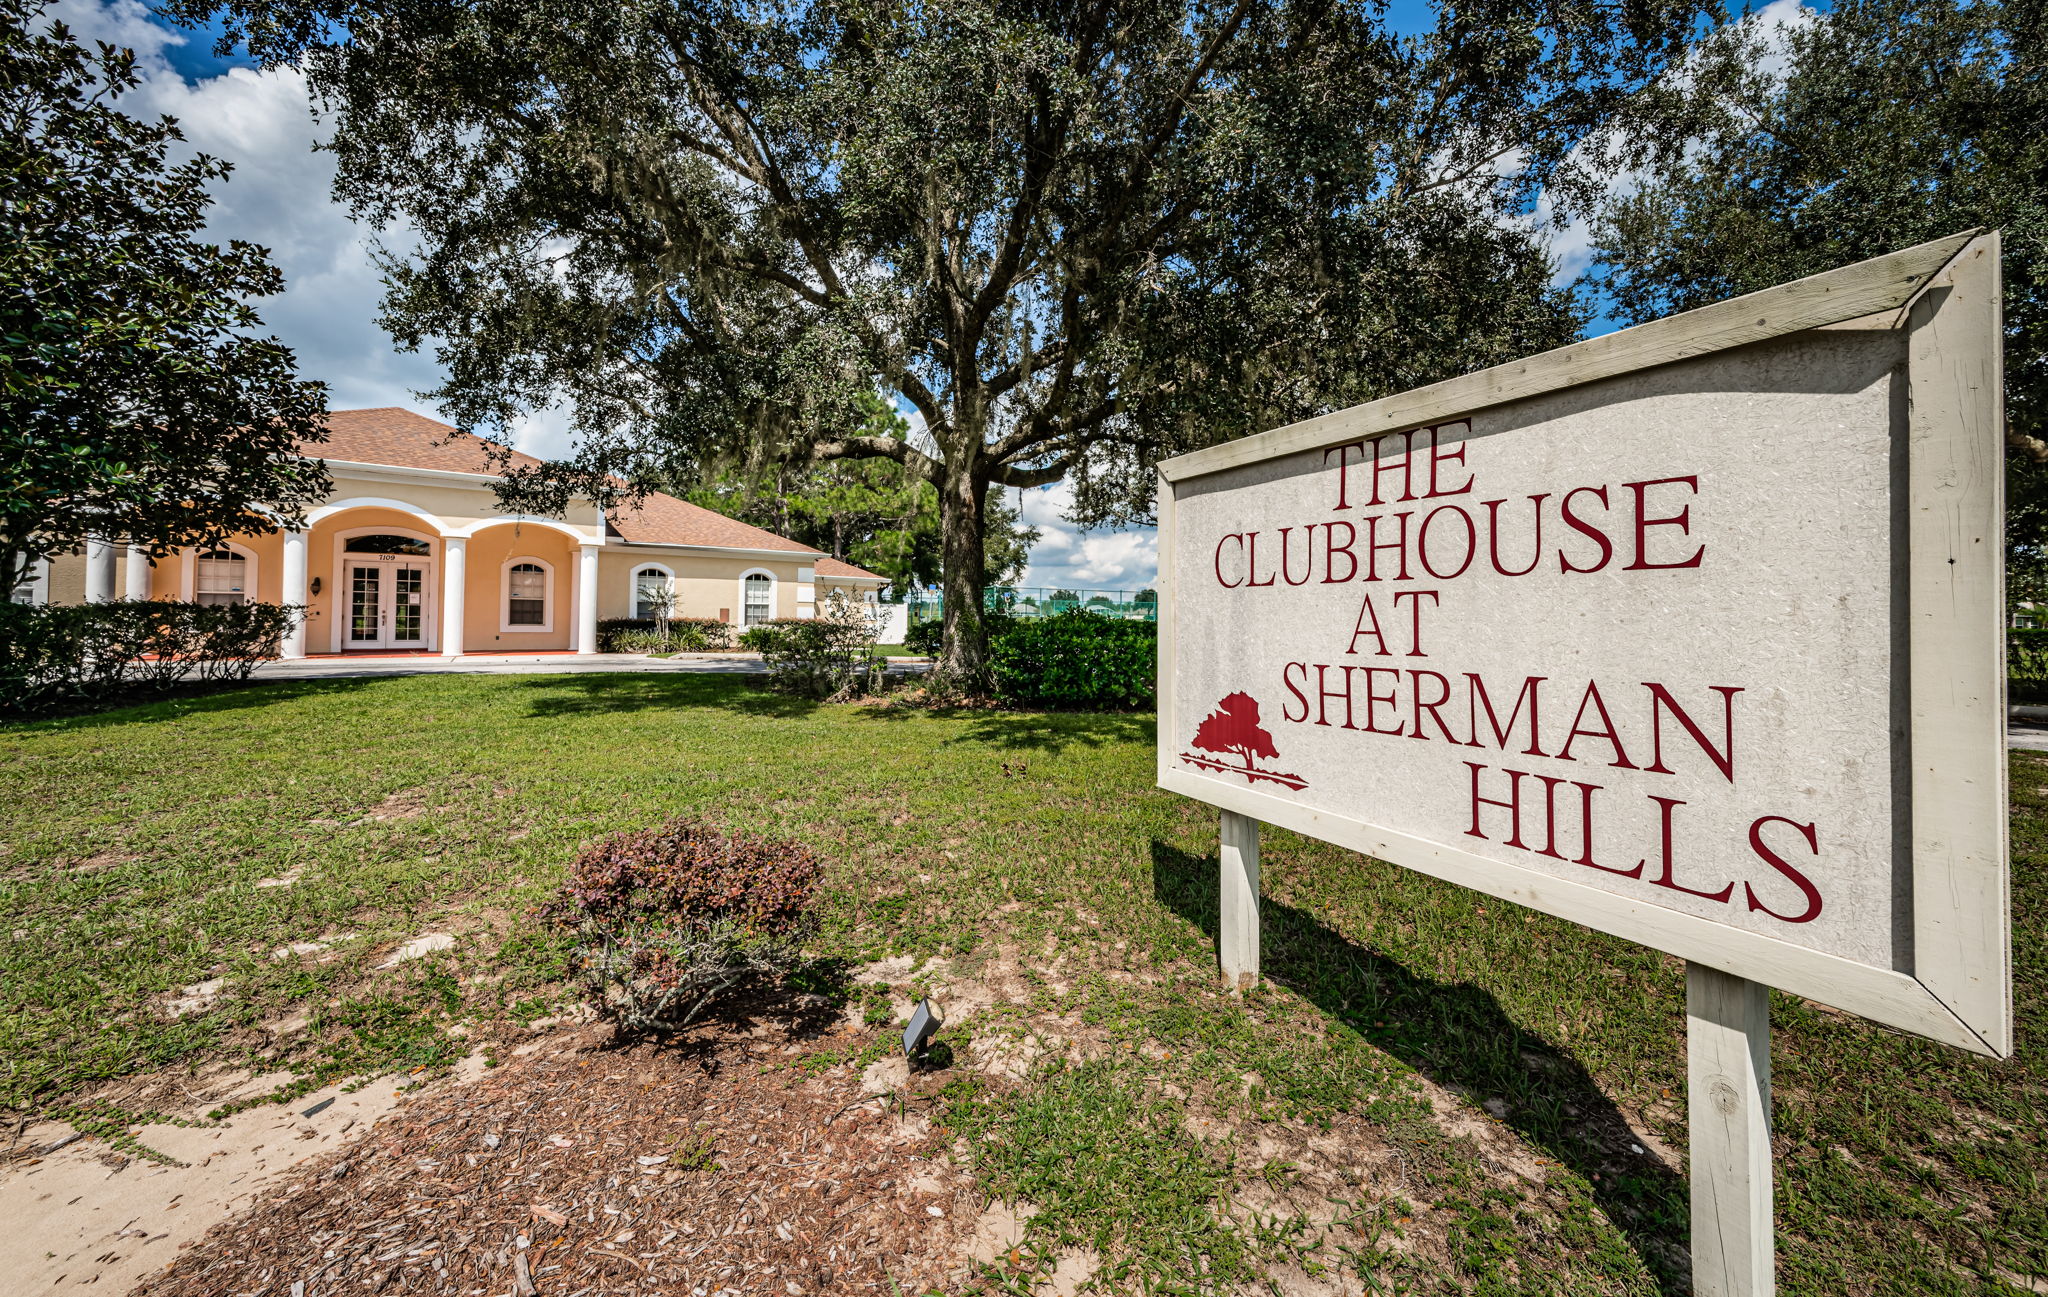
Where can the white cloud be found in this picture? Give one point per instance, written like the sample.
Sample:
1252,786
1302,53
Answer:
278,196
1069,558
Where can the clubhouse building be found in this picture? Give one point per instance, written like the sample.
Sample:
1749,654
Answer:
413,553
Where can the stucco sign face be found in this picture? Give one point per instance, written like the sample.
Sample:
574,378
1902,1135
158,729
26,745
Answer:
1691,634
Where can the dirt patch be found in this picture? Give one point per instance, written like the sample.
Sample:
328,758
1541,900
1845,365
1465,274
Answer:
716,1165
87,1215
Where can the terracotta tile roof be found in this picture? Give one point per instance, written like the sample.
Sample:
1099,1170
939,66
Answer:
829,566
402,439
664,520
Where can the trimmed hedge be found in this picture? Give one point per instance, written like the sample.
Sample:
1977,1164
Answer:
644,635
58,655
1076,659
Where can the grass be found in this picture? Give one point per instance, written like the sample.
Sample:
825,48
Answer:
132,845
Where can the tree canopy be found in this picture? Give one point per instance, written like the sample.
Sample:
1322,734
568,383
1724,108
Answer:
1075,236
136,402
874,513
1878,125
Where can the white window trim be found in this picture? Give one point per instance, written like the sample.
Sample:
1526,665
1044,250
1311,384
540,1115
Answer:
547,601
633,587
740,611
37,583
337,582
189,582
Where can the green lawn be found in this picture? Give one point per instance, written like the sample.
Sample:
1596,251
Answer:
132,845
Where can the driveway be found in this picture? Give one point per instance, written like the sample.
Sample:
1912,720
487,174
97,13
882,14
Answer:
329,668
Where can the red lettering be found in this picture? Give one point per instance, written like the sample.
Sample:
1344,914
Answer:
1372,700
1251,563
1415,617
1592,698
1299,696
1407,456
1366,612
1722,757
1681,520
1310,535
1331,549
1374,546
1324,694
1475,697
1493,534
1439,456
1513,806
1422,542
1576,523
1665,806
1778,862
1443,696
1343,470
1227,585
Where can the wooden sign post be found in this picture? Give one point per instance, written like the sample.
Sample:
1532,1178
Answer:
1692,633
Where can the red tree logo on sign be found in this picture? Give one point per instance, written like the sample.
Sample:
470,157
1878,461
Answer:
1233,730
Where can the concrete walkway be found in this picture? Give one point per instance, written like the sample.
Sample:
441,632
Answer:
505,664
2026,726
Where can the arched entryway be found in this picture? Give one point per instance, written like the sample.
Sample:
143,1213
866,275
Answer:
387,596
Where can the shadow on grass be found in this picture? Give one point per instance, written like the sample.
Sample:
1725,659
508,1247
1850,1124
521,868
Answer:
1459,1037
144,706
614,693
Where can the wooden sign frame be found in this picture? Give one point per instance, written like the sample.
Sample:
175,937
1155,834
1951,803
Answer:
1945,297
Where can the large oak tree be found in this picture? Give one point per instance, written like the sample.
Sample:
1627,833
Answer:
1074,235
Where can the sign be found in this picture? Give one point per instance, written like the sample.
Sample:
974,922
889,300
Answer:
1691,634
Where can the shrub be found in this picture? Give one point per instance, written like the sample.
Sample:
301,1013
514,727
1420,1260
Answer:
925,638
59,655
829,656
669,919
645,635
764,636
1076,659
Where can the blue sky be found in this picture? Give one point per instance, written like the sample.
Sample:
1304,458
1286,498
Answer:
278,197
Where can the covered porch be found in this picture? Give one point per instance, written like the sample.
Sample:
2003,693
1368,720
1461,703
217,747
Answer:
383,576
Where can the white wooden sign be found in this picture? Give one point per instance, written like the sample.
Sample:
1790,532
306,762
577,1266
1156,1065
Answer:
1691,633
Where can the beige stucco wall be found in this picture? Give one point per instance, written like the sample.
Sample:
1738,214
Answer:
458,505
491,551
706,585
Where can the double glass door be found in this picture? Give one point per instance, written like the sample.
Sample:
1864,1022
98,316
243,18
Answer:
387,604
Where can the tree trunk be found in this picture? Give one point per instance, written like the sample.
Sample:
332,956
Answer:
962,522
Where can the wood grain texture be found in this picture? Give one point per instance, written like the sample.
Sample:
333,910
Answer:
1880,284
1962,946
1728,1118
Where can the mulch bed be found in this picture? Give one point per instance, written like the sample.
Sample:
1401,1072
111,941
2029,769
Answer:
713,1167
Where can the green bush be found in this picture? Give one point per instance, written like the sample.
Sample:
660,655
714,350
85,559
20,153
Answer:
2026,665
59,655
829,656
1076,659
924,637
645,635
669,919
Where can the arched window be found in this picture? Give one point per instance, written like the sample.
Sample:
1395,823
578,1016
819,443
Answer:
385,544
760,605
654,592
526,595
225,577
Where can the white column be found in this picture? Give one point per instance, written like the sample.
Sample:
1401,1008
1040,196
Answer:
137,578
454,582
292,590
1728,1111
586,601
99,570
1238,928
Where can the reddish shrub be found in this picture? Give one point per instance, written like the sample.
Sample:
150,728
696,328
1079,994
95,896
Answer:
672,917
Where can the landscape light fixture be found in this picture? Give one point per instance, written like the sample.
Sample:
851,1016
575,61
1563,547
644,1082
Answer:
924,1021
